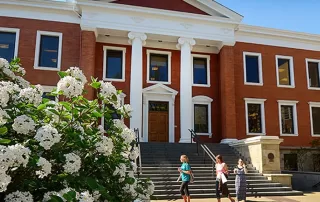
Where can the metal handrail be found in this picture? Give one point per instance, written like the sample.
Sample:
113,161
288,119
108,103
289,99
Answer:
316,185
139,163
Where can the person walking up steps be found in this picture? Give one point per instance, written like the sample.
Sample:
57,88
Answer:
185,173
221,180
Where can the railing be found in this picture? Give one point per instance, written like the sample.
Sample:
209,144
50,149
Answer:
138,159
316,185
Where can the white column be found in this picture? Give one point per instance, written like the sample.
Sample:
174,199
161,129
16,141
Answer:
185,45
137,40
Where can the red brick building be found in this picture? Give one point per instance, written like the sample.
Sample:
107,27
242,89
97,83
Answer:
181,64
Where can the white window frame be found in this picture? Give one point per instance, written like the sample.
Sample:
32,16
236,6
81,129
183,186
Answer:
37,51
48,89
291,70
313,104
260,68
17,32
122,96
292,103
208,69
203,100
105,48
308,82
263,120
149,51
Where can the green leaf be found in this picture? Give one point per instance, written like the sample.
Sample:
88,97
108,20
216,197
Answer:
95,85
70,196
3,130
92,183
55,199
41,106
5,141
66,105
62,74
96,114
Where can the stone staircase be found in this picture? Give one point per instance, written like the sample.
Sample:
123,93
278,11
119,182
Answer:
160,162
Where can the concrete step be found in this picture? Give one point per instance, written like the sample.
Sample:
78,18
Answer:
196,174
174,170
173,178
195,185
211,182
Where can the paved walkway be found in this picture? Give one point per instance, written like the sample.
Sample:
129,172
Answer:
308,197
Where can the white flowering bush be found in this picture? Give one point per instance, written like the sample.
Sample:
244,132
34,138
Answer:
57,150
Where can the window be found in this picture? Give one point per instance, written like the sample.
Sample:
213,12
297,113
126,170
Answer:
290,162
315,118
288,118
114,63
114,115
255,120
252,64
202,115
285,73
313,74
46,93
9,42
48,51
201,70
159,67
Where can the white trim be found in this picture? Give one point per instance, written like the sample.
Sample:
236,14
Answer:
168,53
307,69
313,104
203,100
105,48
291,71
263,124
260,68
295,116
38,43
208,69
158,92
17,32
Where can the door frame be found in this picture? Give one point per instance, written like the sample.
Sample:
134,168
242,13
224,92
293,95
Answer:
162,93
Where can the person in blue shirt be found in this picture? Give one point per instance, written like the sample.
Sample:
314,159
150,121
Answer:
185,172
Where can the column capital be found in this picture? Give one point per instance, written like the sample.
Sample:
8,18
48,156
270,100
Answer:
137,35
185,41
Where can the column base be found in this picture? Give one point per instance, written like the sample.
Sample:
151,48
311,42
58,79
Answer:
185,140
228,140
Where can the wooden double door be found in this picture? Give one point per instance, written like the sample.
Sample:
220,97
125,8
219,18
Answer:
158,121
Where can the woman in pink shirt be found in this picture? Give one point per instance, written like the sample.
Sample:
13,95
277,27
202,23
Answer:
221,172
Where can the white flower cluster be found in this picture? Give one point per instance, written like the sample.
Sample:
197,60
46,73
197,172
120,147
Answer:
77,73
150,189
108,91
131,188
47,136
73,163
70,86
4,63
134,153
23,124
101,130
46,167
47,196
32,95
7,89
134,166
23,83
78,127
19,197
121,171
86,197
105,146
19,69
128,135
96,195
126,109
119,124
3,117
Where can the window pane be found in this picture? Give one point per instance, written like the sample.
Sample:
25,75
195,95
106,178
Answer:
200,71
252,69
287,119
316,120
114,64
313,74
48,96
7,45
254,118
201,119
49,48
158,67
290,162
284,72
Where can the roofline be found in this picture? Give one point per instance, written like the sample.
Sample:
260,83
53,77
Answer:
57,5
228,8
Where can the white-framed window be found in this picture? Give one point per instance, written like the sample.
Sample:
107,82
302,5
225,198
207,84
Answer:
313,74
46,93
288,118
9,43
255,117
122,96
201,114
285,71
315,118
48,51
252,67
114,63
201,70
158,66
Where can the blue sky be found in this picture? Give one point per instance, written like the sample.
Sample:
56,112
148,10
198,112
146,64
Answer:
294,15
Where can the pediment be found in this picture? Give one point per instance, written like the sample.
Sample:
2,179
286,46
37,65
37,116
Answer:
159,89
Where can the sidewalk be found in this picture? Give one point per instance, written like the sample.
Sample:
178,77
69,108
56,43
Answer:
308,197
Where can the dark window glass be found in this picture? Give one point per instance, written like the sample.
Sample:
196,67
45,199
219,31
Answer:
158,67
201,118
7,45
284,71
252,69
316,162
254,118
200,71
316,120
290,162
313,74
49,51
114,64
287,119
48,96
158,106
